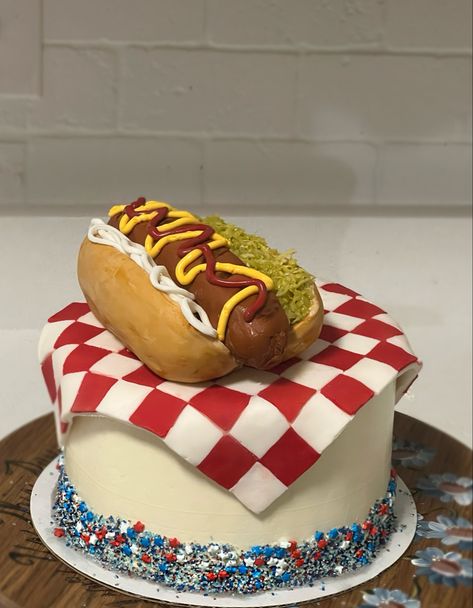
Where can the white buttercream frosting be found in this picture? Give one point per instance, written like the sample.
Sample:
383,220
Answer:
104,234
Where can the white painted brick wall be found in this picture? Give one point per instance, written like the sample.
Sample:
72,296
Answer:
254,103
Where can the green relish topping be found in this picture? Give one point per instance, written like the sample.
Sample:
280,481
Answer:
292,284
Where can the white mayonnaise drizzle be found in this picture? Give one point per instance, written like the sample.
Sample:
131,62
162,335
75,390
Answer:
104,234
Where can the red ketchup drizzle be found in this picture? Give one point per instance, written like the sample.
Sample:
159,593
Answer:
199,242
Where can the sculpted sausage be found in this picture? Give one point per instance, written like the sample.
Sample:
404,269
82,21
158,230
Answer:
256,332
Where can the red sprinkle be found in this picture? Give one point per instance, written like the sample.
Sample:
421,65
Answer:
85,537
366,525
322,543
393,473
299,562
170,557
317,554
146,558
292,545
211,576
120,539
174,542
374,531
223,574
115,543
59,532
139,527
359,553
295,554
259,561
383,509
100,534
349,535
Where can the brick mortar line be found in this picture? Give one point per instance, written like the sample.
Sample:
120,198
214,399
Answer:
29,136
370,49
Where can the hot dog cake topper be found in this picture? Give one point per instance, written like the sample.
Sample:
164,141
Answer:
193,304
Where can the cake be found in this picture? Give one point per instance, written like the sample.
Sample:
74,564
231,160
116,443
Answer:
248,479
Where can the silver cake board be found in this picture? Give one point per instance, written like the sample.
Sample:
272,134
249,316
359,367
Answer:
42,499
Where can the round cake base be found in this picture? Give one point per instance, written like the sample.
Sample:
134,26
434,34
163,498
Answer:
42,498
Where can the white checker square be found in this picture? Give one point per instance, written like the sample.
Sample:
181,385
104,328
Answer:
402,342
340,321
333,300
70,384
107,341
123,399
259,426
193,435
90,319
258,488
308,373
248,380
115,365
373,374
362,345
48,337
320,421
183,391
314,349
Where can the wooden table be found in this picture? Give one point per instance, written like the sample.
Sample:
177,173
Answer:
30,577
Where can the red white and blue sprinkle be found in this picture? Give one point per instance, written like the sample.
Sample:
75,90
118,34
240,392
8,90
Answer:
130,547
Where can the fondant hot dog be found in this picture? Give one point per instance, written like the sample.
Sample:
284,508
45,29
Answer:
160,260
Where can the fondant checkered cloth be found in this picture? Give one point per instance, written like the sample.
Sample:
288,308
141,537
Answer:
240,429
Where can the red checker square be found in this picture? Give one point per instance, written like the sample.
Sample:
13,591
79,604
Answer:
221,404
337,357
227,462
289,457
331,334
360,309
71,313
92,390
289,397
372,328
82,358
337,288
281,367
158,412
48,375
78,333
143,375
127,353
347,393
392,355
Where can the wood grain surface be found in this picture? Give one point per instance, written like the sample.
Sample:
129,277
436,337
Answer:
30,577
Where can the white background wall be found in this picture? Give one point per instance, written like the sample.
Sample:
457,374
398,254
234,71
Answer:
313,103
340,108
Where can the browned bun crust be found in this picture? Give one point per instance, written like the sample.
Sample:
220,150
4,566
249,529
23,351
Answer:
305,332
146,320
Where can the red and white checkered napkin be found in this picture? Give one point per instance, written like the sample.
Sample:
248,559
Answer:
253,432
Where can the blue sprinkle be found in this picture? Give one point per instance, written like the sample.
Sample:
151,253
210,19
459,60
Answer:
126,550
318,535
242,569
230,569
158,541
256,573
333,533
83,507
144,542
256,549
268,551
258,584
285,576
279,552
130,533
90,516
355,528
91,549
163,567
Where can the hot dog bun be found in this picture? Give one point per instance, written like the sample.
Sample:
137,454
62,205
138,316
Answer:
146,320
168,286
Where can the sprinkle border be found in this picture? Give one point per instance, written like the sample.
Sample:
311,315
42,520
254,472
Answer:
128,547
